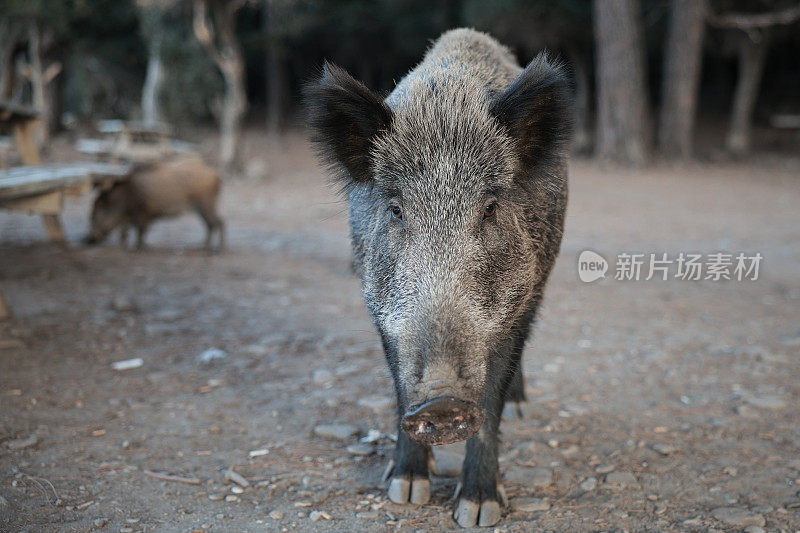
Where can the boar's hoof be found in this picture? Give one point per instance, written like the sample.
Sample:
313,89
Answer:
470,514
416,491
443,421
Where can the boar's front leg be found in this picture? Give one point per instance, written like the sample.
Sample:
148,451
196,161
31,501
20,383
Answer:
410,481
480,493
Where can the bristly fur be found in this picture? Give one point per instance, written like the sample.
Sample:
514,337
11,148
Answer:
345,117
535,109
453,293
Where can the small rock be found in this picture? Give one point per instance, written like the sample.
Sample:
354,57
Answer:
315,516
665,449
216,497
335,431
231,498
738,517
124,304
3,502
322,376
746,411
753,529
376,402
570,451
100,522
448,459
211,355
21,444
128,364
360,449
605,469
126,529
369,515
536,476
236,489
766,401
589,484
276,515
621,479
532,505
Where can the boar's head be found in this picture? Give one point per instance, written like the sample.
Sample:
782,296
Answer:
108,212
457,193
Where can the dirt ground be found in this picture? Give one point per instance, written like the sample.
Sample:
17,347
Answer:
653,405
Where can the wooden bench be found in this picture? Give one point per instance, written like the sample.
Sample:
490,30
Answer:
41,190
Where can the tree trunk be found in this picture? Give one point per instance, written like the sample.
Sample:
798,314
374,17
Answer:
234,106
752,51
221,42
151,91
582,138
275,69
38,84
623,123
8,42
684,55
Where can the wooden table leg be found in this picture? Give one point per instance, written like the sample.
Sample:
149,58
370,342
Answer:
24,132
52,223
5,309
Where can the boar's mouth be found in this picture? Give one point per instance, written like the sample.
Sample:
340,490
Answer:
443,421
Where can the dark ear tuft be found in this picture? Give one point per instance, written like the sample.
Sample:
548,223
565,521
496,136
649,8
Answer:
345,117
536,110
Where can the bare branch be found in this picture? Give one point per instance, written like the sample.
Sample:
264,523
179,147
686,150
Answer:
747,21
204,31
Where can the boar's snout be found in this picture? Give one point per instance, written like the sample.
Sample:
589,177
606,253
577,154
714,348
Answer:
443,421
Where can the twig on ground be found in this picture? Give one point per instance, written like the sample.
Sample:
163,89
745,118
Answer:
170,477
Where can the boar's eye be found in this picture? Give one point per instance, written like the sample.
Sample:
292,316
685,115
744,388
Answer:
489,210
397,212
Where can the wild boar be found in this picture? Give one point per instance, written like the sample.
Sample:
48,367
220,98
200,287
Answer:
158,190
457,187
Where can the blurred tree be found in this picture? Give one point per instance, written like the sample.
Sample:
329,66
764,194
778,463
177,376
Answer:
152,26
756,31
215,27
623,122
681,77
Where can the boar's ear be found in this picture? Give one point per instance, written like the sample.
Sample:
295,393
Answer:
536,110
345,117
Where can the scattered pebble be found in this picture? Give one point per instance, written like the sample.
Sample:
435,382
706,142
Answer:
605,469
738,517
754,529
126,529
231,498
258,453
215,497
376,402
369,515
316,516
235,477
22,443
665,449
768,401
124,304
100,522
448,459
335,431
3,502
537,476
622,479
127,364
532,505
276,515
322,376
360,449
589,484
211,355
236,489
